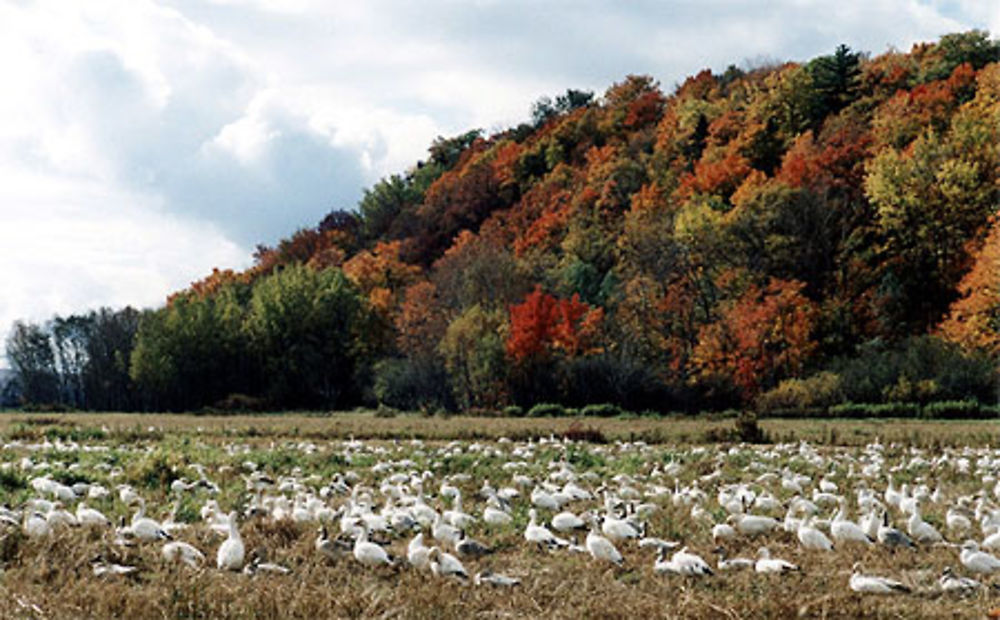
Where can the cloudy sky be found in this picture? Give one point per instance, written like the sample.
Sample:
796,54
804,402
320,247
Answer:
143,142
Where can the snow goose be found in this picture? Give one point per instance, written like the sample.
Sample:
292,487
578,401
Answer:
732,564
753,525
330,548
566,522
920,530
369,553
231,552
36,525
766,564
873,584
445,533
600,548
648,542
619,529
418,554
446,565
258,564
812,538
978,561
723,531
471,548
950,582
494,514
103,568
496,579
683,562
890,536
843,530
179,551
456,516
541,535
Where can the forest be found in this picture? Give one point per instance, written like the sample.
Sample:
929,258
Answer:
816,238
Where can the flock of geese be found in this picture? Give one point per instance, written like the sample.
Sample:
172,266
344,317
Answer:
390,492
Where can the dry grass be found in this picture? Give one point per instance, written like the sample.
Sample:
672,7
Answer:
52,578
367,425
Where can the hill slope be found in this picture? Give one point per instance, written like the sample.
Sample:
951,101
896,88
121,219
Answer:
794,235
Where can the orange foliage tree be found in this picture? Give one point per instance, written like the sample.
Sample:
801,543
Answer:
761,337
974,319
542,325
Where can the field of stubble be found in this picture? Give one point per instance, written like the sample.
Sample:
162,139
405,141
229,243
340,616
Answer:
665,463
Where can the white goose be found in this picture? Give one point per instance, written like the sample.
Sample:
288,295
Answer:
567,522
368,553
231,553
978,561
541,535
812,538
950,582
144,528
920,530
446,565
766,564
844,530
179,551
418,554
682,562
601,548
874,584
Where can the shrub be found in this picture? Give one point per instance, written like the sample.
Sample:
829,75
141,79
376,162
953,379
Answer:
952,410
239,403
410,385
605,410
547,410
801,396
513,411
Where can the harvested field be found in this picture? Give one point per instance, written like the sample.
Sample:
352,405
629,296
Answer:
680,482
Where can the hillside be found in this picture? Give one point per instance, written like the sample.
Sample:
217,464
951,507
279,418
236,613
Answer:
790,236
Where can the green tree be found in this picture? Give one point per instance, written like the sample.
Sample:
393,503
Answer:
305,328
474,356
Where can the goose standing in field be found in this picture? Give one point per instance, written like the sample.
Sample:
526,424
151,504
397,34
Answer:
844,530
418,554
920,530
456,516
978,561
950,582
445,533
444,564
600,548
145,528
766,564
231,553
179,551
873,584
369,553
812,538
